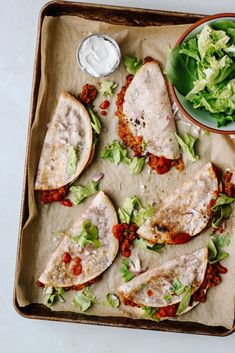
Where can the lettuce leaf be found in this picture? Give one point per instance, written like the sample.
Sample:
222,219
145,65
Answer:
222,209
215,247
127,275
132,64
107,88
95,122
146,245
115,153
88,235
184,303
187,143
112,300
84,299
80,193
72,160
53,295
150,312
137,165
133,211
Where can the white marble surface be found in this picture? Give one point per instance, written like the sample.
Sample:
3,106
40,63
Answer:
18,25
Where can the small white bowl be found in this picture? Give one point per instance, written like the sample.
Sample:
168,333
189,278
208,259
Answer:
116,50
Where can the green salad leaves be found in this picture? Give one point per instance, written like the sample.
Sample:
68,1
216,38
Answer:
148,246
72,160
127,275
133,211
207,64
116,153
187,143
216,247
107,88
222,209
89,234
80,193
132,64
53,295
95,122
112,300
84,299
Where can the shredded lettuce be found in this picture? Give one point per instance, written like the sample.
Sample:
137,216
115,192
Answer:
133,211
107,88
112,300
207,63
80,193
53,295
132,64
150,312
146,245
184,303
115,153
89,234
222,209
216,245
127,275
187,143
72,160
84,299
95,122
137,165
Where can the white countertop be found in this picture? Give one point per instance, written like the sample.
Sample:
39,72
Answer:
18,25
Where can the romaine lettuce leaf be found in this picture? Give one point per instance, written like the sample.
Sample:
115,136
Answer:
89,235
80,193
53,295
115,153
215,247
72,160
133,211
137,165
84,299
107,88
112,300
95,122
187,143
127,275
132,64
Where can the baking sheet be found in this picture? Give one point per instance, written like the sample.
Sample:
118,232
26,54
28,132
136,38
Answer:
60,38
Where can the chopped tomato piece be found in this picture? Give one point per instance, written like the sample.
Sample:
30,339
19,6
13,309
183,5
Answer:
103,112
88,95
167,311
104,105
67,258
149,293
66,202
148,59
55,195
220,268
181,238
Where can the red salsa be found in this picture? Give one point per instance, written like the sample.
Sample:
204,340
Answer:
126,234
88,95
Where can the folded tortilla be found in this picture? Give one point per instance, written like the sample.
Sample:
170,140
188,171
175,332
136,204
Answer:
188,269
70,127
94,261
147,109
185,211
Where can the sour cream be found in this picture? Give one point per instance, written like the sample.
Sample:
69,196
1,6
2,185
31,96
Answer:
98,55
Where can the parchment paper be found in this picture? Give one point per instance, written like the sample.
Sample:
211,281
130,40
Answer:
60,38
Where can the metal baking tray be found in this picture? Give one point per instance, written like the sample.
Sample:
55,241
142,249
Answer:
114,15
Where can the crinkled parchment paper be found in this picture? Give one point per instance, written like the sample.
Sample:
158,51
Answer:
60,38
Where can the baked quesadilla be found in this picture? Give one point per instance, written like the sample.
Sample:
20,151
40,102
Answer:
186,212
146,122
87,249
67,147
173,288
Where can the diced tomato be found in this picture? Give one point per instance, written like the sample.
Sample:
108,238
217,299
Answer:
181,238
103,112
126,234
161,164
88,95
228,186
67,258
77,269
55,195
148,59
66,202
167,311
104,105
149,293
221,269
